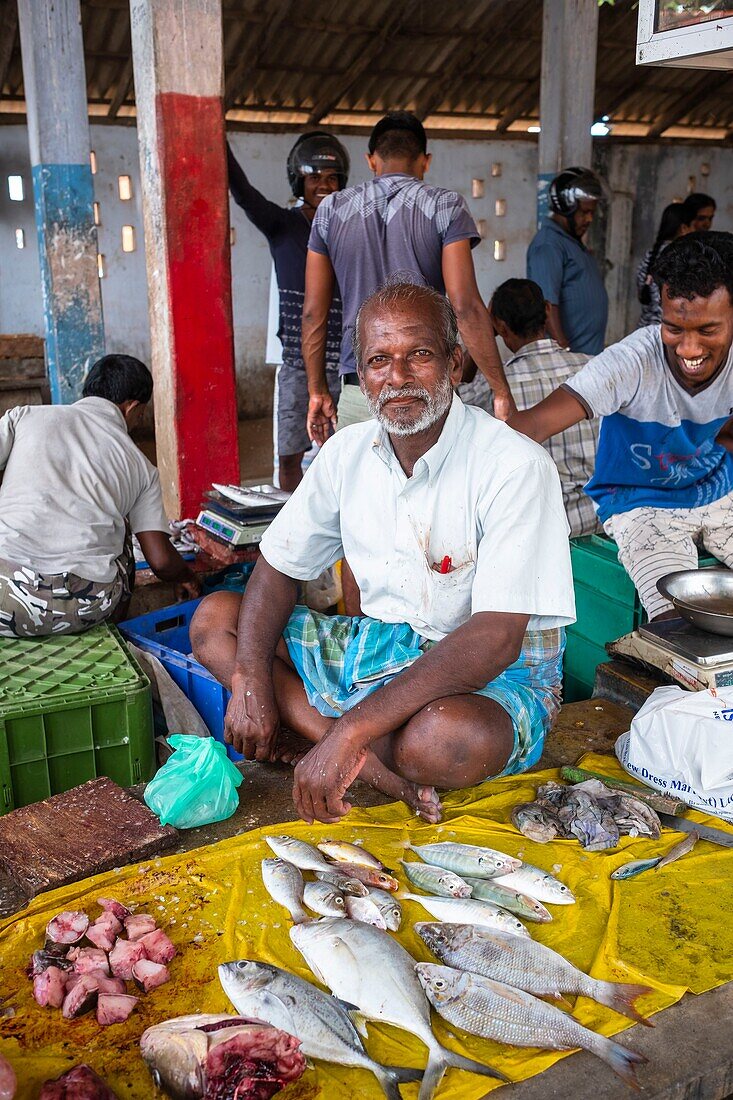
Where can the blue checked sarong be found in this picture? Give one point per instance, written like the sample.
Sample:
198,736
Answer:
341,660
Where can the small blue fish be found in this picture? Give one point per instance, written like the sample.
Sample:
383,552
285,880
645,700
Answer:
631,870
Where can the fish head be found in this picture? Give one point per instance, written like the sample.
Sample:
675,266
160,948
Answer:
499,864
245,975
440,936
384,881
442,984
456,887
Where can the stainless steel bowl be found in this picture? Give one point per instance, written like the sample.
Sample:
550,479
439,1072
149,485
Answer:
702,596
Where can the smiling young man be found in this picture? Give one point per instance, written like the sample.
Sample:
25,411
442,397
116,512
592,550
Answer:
455,530
663,483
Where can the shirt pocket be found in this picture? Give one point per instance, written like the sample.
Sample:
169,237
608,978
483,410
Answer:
449,596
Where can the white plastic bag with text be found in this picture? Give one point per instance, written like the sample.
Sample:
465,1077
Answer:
681,743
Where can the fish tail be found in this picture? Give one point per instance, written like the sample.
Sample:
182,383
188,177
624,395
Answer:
391,1077
300,916
458,1061
622,1061
620,997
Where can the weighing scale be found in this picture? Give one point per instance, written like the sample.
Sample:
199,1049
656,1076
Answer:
694,658
240,516
688,641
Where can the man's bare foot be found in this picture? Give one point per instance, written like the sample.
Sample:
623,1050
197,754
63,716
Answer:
291,747
423,800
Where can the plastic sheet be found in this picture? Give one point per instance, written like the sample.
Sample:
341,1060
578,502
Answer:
669,930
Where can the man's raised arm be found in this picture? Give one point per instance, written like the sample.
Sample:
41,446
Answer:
252,720
461,663
556,413
320,281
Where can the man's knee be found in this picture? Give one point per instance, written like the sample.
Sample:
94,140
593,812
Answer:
464,740
215,616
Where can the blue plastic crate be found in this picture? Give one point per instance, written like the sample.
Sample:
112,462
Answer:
165,634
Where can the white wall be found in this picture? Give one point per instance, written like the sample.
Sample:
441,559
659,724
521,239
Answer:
645,179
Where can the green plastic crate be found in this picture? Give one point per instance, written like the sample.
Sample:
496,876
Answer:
606,605
72,708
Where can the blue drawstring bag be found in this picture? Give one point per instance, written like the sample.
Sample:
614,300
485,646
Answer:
196,786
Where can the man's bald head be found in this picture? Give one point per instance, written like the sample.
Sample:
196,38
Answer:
411,298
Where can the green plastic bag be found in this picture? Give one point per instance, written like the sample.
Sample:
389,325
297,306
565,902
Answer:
196,786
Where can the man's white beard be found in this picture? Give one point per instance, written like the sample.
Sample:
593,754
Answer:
435,407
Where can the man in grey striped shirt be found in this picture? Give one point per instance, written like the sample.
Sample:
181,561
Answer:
537,367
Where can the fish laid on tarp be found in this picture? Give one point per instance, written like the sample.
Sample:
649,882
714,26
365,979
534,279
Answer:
538,884
323,1025
635,867
467,859
589,812
521,905
469,911
193,1057
284,883
681,849
343,852
79,1083
364,966
493,1010
298,852
526,964
325,899
343,883
368,876
389,907
436,880
366,910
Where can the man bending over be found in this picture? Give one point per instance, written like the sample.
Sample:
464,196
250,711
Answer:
455,531
663,483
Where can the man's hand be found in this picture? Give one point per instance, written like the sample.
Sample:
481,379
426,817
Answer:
189,589
324,775
321,421
504,405
252,720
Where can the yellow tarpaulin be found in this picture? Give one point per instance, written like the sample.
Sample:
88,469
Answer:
669,931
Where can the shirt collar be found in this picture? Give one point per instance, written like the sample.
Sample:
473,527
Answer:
436,456
102,405
536,347
550,223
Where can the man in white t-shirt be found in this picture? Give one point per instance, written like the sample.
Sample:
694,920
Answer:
74,487
454,528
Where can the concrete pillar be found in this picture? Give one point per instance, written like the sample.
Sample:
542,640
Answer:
179,76
58,133
567,89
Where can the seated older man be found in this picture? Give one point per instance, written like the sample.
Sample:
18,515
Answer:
455,530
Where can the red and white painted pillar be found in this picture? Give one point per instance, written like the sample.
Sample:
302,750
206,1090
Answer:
179,78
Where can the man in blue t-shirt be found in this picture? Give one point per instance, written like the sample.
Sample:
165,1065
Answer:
663,482
395,225
560,263
317,166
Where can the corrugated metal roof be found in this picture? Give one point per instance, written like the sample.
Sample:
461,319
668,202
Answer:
467,66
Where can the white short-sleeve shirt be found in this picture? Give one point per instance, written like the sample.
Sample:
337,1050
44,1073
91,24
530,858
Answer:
484,496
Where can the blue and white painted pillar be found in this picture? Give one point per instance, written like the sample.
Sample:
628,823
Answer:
58,132
567,90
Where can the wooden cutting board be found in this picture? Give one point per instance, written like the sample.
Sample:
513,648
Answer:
71,836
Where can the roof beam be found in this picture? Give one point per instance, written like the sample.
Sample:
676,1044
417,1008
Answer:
8,36
124,83
695,94
341,84
255,45
518,109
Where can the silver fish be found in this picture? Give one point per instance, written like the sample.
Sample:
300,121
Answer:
325,899
366,967
679,850
496,1011
343,852
389,907
526,964
344,883
190,1054
635,867
321,1022
284,884
467,859
470,911
298,852
522,905
368,875
364,909
538,884
436,880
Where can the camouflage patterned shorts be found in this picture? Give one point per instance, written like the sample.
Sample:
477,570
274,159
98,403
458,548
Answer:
35,604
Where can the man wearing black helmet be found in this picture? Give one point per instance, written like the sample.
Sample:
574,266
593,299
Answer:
569,276
317,166
392,225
